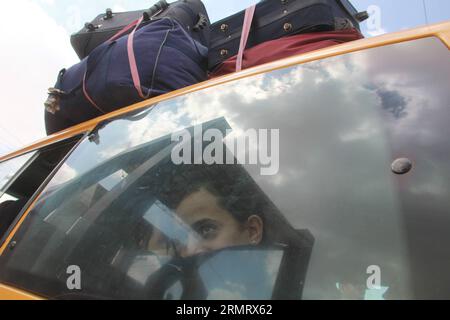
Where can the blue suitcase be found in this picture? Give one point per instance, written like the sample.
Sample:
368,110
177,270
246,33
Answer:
161,57
274,19
191,14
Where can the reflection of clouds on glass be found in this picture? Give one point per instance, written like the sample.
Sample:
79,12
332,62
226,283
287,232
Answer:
202,110
399,92
230,291
364,132
272,267
241,274
253,90
257,276
393,102
337,133
143,267
4,180
376,294
113,180
420,95
334,114
10,167
235,100
111,152
159,123
65,174
436,186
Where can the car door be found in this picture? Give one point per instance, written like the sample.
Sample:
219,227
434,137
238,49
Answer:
343,162
23,176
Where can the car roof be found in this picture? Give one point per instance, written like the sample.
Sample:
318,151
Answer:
440,30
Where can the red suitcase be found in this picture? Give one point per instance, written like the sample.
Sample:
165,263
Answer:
286,47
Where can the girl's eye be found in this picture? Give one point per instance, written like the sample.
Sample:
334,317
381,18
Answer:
207,231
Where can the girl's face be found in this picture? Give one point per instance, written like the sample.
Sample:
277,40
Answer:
213,227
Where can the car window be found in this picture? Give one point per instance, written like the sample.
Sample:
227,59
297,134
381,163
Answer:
23,176
327,180
9,168
11,204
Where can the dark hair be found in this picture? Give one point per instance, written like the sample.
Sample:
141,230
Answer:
233,186
235,190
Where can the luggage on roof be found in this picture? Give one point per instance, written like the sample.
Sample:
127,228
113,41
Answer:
155,58
274,19
285,47
166,48
191,14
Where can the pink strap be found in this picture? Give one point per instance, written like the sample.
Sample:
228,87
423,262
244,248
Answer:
124,30
249,14
88,97
132,60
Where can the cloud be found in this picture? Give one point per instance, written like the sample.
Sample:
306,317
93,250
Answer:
376,32
118,8
230,291
34,49
217,10
48,2
393,102
333,117
8,169
65,174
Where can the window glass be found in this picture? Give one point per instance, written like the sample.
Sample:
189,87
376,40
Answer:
11,204
275,186
35,169
9,168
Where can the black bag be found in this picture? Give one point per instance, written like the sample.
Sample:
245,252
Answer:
274,19
191,14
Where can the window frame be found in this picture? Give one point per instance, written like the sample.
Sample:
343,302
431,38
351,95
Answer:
19,171
7,238
439,35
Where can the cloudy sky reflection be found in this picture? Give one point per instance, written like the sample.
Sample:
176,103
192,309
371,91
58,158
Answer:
342,122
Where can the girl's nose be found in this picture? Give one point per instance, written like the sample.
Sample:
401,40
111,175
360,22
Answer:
192,247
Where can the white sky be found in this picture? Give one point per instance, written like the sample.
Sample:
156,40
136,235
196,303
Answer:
30,58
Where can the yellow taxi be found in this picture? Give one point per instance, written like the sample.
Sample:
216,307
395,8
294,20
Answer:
321,176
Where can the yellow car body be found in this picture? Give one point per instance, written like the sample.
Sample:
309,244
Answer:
440,31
